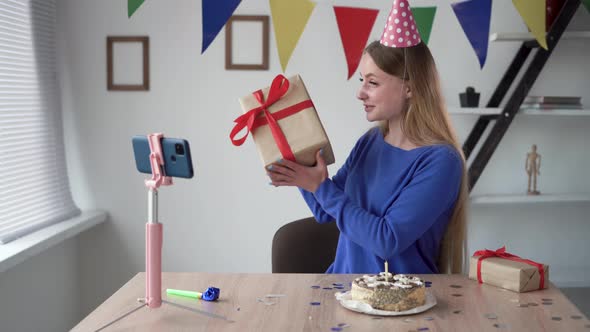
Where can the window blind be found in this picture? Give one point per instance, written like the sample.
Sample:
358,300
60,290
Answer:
34,187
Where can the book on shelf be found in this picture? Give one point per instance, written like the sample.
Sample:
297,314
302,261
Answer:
553,100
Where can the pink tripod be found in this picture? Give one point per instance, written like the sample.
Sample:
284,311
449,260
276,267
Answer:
154,239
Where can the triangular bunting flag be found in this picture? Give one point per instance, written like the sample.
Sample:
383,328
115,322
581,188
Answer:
215,15
355,25
553,9
474,17
424,16
132,6
587,4
289,18
533,13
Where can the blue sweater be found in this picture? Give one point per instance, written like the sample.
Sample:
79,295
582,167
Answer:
389,204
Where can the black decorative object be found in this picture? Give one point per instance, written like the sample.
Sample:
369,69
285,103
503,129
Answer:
469,98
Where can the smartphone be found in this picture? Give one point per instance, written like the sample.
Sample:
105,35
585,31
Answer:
177,156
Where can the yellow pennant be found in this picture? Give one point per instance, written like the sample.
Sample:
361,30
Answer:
289,18
533,13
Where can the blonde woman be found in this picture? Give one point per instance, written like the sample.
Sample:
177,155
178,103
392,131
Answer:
400,196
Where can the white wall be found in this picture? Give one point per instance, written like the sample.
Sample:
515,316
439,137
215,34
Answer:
41,293
224,219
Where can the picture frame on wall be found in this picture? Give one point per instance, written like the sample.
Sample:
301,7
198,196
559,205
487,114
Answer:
244,35
128,61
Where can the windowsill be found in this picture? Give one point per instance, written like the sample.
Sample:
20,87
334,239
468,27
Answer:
20,249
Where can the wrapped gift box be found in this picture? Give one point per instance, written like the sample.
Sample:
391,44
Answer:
501,272
303,130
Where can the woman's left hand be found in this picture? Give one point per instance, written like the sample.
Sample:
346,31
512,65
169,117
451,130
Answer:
289,173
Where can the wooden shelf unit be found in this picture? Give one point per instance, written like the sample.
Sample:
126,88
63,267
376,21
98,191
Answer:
525,36
524,199
523,110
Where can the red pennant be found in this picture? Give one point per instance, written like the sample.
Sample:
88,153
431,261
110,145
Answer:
355,25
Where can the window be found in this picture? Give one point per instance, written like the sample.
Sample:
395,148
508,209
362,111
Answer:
34,188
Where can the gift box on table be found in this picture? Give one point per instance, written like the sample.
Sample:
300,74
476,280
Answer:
284,123
501,269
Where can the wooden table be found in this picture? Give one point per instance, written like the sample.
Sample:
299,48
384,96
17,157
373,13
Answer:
462,305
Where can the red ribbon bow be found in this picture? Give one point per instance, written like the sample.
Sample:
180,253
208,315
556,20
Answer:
251,119
483,254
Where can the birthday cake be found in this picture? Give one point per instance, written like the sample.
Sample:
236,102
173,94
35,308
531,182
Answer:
389,292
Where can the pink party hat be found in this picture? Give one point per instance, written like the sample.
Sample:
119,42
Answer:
400,29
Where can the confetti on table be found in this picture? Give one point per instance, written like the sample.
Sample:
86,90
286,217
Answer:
547,300
327,288
523,305
340,327
337,284
314,303
423,329
547,303
532,304
377,318
491,316
457,295
315,287
455,286
500,326
428,318
556,318
576,317
265,302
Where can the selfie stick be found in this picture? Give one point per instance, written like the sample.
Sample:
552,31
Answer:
153,229
154,237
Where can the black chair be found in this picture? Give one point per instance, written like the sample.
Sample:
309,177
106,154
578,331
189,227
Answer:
304,246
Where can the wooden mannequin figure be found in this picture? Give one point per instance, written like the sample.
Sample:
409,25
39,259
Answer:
532,166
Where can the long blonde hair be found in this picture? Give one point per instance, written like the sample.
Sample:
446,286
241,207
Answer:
426,122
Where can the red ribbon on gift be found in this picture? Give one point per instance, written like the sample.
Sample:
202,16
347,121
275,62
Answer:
251,119
483,254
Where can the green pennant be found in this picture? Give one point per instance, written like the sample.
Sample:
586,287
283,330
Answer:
587,4
424,17
132,6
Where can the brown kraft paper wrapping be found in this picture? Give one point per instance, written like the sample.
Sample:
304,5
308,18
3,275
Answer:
303,130
500,272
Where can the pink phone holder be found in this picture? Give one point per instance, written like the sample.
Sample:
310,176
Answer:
154,229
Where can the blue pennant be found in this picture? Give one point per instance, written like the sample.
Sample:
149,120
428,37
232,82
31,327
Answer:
474,17
215,15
